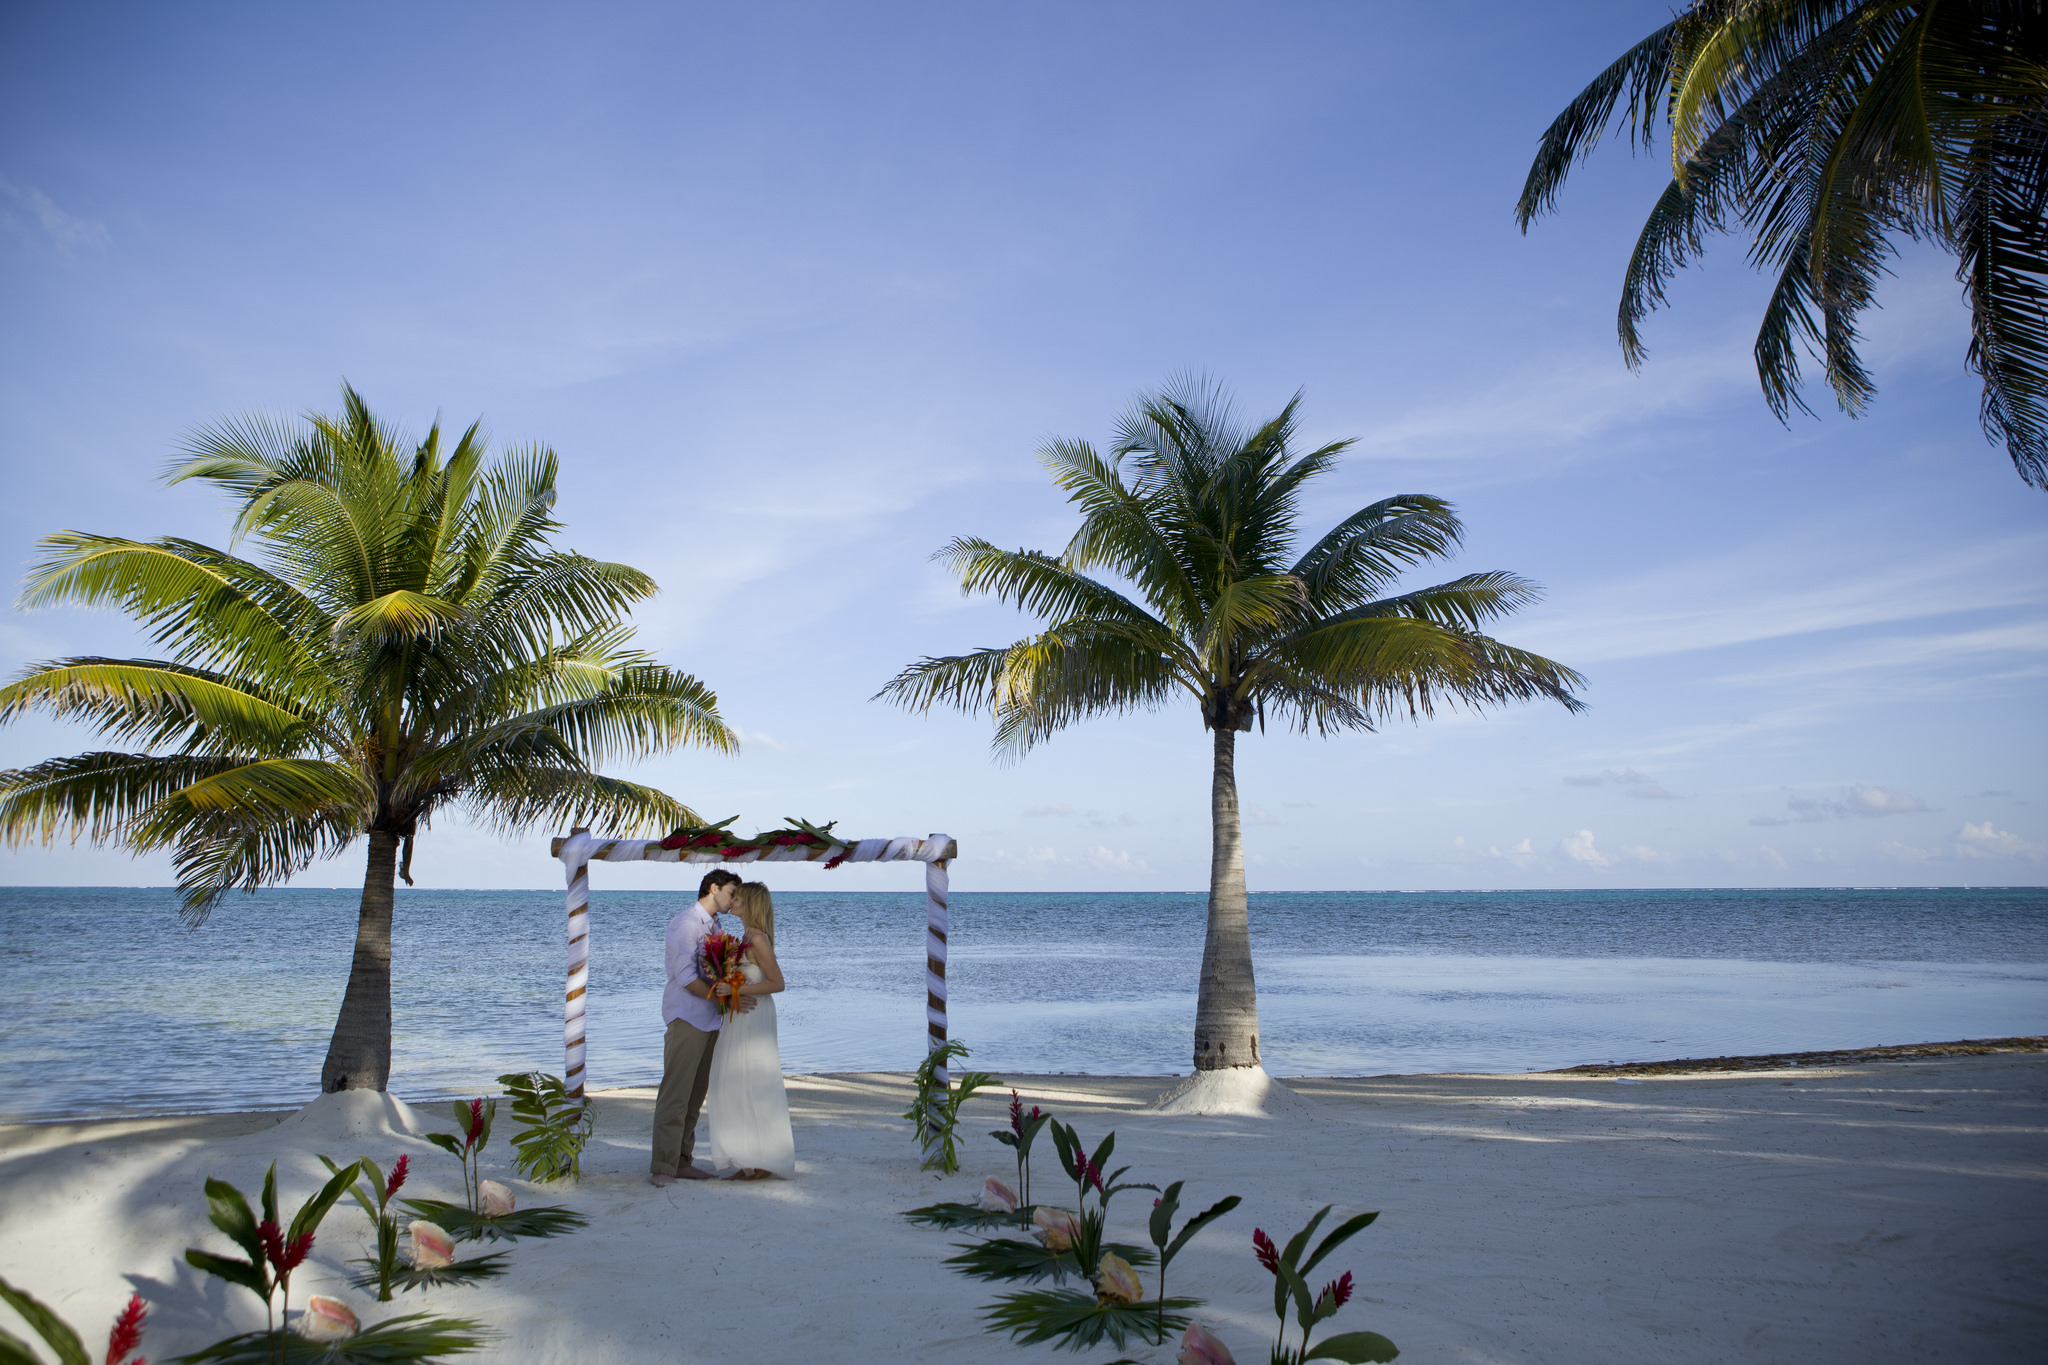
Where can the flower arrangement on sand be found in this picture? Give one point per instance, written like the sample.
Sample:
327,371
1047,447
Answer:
1071,1247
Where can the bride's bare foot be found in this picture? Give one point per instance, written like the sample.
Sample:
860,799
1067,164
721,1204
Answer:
749,1173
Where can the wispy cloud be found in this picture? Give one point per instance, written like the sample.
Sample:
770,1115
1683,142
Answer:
1636,784
34,214
1770,591
1854,800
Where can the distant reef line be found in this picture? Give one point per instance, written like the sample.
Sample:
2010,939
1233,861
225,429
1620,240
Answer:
1902,1052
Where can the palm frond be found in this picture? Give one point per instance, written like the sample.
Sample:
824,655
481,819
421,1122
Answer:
2002,254
159,703
510,800
1364,553
94,796
1642,73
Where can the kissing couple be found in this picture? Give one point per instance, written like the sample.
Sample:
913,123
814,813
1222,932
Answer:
720,1046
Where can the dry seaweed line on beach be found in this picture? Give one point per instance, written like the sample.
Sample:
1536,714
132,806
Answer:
1966,1047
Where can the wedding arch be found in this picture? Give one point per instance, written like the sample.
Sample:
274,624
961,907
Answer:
581,849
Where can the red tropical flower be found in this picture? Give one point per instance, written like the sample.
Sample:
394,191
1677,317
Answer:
476,1123
1338,1289
398,1172
1016,1114
1269,1255
127,1333
272,1237
295,1253
1092,1173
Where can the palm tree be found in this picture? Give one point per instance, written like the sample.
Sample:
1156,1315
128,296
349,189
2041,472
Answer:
1204,529
1829,128
406,642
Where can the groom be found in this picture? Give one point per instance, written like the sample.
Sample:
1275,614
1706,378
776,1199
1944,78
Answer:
692,1018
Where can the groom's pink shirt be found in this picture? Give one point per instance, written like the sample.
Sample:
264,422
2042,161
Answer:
685,936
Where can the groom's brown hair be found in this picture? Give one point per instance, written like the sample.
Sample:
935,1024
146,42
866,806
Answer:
714,879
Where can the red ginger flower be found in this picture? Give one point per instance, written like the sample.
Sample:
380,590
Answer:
1016,1114
1338,1289
127,1333
295,1254
476,1123
1268,1254
272,1237
398,1171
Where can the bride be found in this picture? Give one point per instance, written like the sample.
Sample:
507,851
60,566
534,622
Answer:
749,1112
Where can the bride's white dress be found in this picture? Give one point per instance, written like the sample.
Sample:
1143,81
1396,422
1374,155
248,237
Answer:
749,1111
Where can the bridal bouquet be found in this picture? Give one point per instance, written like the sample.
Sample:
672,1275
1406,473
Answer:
723,958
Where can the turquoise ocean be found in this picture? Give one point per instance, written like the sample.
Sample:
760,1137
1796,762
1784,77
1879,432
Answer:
112,1007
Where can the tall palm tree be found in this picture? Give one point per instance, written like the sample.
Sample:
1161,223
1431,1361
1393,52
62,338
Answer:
406,642
1198,514
1828,128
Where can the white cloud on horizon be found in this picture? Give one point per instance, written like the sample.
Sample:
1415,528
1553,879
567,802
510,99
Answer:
1579,848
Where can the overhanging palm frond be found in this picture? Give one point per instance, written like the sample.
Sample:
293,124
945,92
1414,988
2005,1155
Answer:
96,796
2003,261
513,799
1643,74
159,703
1831,128
215,852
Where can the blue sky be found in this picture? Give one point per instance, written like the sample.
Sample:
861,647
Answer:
796,292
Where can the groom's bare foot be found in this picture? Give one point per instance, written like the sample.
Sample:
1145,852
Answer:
661,1181
694,1173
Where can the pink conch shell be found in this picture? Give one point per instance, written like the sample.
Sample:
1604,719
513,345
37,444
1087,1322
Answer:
327,1319
496,1199
432,1247
1057,1228
1200,1347
1116,1282
996,1197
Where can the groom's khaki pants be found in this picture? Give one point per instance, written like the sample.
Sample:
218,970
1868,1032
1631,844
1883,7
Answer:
685,1074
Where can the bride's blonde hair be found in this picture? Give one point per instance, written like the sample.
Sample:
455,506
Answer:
757,908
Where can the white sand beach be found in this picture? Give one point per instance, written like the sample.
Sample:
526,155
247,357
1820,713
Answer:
1868,1212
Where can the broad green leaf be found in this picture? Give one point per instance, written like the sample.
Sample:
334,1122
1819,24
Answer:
307,1219
47,1325
1354,1347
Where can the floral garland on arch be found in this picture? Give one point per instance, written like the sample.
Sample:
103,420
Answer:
726,844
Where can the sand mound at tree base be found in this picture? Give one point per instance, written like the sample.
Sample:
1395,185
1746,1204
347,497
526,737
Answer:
352,1115
1239,1090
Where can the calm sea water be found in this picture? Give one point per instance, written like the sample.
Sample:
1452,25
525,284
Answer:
112,1007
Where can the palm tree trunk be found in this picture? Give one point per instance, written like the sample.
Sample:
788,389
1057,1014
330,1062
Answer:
359,1057
1227,1008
